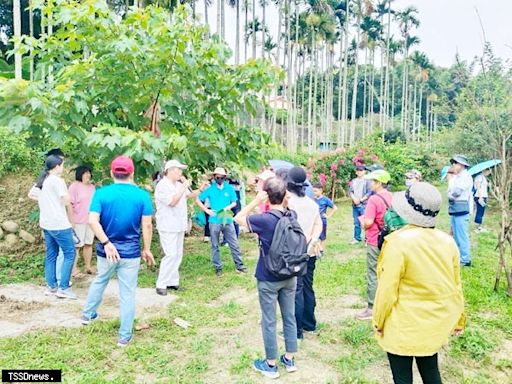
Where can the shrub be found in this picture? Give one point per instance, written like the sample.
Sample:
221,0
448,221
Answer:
15,155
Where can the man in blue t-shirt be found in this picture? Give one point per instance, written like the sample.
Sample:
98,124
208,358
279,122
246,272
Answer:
117,214
222,198
272,290
323,204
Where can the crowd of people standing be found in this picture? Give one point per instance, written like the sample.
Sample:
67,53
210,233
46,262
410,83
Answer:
399,232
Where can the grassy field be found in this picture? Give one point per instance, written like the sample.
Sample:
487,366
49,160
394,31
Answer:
225,335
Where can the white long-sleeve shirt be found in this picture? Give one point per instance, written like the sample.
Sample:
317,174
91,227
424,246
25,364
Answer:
460,186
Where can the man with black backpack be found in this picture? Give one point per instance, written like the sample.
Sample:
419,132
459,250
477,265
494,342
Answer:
283,256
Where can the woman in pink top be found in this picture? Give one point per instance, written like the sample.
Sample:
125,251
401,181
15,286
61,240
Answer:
81,192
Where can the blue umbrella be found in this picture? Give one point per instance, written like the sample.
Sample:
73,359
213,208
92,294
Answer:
476,169
280,164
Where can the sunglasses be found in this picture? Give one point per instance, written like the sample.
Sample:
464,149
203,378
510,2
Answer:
220,177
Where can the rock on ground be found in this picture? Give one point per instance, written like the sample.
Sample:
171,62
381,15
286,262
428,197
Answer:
10,226
27,237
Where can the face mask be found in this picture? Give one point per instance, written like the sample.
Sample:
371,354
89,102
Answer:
219,181
409,183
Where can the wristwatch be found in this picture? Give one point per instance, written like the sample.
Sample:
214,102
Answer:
105,242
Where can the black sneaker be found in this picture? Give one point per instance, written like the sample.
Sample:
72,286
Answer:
242,270
467,264
219,273
176,288
161,291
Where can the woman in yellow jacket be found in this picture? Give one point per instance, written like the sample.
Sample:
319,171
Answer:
419,302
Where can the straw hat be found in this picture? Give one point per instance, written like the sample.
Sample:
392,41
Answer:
419,205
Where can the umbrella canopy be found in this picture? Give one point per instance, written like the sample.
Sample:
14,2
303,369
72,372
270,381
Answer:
280,164
480,167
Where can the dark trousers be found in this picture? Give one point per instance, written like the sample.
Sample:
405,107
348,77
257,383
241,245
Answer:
305,301
401,367
480,211
207,225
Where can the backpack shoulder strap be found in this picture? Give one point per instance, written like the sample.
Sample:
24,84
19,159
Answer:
276,213
383,199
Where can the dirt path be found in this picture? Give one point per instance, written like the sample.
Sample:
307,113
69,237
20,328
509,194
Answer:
24,307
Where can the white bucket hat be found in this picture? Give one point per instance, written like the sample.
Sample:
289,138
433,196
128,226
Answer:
419,205
174,164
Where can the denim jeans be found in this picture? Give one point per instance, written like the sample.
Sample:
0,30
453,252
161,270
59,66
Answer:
54,240
58,265
460,232
270,293
127,273
230,237
480,211
356,212
305,301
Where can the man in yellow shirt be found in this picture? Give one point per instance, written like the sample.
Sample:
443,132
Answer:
419,301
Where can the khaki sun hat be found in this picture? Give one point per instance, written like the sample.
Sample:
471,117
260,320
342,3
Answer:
220,171
419,205
174,164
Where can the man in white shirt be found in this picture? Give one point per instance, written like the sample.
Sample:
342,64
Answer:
460,184
310,221
171,195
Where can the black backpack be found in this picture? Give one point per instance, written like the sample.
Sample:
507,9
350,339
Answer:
287,256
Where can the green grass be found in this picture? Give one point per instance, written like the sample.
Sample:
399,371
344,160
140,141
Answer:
225,336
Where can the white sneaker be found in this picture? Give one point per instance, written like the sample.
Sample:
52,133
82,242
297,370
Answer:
50,291
206,239
66,294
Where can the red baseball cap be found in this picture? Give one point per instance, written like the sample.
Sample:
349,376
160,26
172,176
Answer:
123,165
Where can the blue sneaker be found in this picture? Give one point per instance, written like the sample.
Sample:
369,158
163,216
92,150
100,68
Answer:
262,366
123,342
288,364
85,320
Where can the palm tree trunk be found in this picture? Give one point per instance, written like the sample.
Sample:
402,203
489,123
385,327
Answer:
253,29
419,111
237,37
16,16
354,87
365,99
372,88
392,90
31,31
414,104
310,98
315,98
338,131
50,33
206,13
344,113
223,20
219,18
263,24
246,23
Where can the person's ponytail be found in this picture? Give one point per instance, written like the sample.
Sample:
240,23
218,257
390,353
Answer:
51,162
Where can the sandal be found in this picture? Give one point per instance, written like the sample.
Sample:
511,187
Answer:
90,271
78,275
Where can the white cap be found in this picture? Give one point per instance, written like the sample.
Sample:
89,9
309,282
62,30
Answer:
174,164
